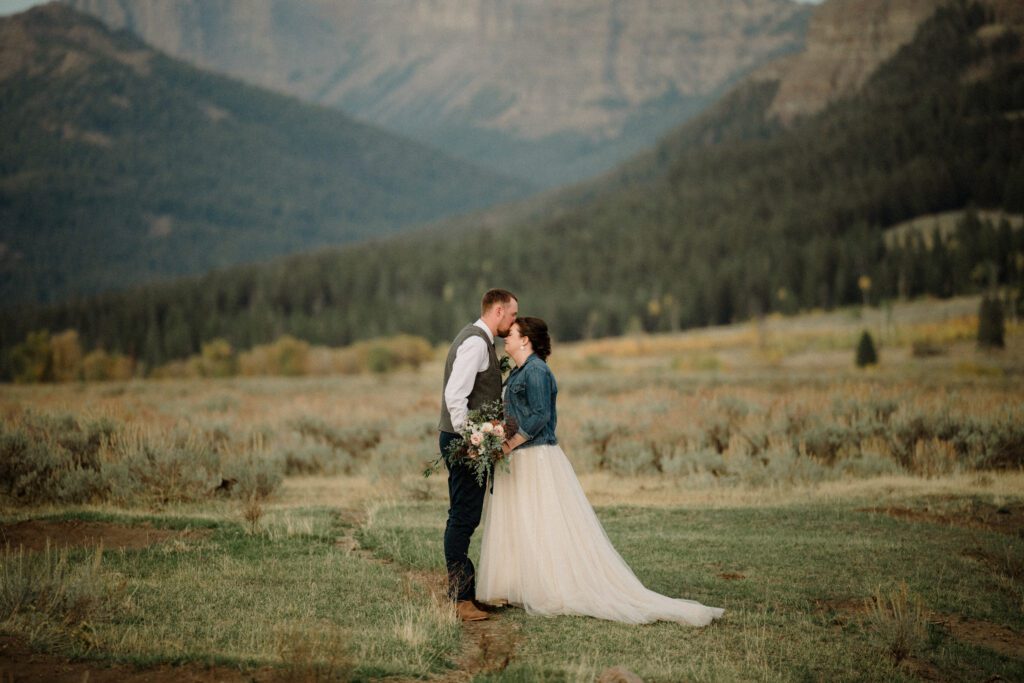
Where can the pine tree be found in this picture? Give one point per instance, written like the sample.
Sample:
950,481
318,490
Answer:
991,327
866,354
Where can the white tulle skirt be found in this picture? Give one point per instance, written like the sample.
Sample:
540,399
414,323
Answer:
543,549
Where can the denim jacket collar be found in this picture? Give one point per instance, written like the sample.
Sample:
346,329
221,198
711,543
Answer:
529,359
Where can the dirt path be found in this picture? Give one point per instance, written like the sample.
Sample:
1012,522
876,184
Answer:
487,646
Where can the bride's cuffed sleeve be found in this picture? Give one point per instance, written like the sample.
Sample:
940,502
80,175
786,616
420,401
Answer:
536,402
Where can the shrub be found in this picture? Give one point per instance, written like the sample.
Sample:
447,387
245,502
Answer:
100,366
316,459
52,458
926,348
866,353
66,356
900,619
255,478
356,441
380,359
218,359
161,468
598,436
631,457
286,356
32,360
59,459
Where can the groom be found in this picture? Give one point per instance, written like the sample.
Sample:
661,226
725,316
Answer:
472,378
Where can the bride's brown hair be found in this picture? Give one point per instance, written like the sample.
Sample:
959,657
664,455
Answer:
537,331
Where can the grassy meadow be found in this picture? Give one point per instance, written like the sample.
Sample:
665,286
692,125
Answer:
856,524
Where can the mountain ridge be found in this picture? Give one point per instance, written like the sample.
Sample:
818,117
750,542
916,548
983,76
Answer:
552,91
119,164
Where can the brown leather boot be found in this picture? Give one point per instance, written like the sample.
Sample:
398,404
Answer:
467,611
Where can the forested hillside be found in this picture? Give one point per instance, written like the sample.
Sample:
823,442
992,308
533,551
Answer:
729,217
119,165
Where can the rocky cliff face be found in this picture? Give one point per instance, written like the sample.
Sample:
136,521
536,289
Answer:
481,74
846,42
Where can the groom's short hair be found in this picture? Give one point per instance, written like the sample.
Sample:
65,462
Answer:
495,296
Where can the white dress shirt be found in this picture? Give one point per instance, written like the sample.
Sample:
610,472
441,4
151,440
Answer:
470,358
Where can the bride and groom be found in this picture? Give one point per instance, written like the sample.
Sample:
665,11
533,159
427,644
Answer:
543,548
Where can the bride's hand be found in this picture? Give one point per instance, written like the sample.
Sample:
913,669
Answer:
506,448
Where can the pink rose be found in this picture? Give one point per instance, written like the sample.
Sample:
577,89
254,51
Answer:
476,438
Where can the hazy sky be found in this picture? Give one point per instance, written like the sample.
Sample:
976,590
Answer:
13,6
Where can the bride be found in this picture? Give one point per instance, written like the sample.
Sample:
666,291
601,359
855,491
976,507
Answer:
543,547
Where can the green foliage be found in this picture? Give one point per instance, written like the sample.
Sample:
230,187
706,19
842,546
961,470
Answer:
218,359
866,353
31,361
287,356
991,326
380,359
99,365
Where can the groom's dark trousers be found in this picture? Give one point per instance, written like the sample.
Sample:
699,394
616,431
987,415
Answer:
466,500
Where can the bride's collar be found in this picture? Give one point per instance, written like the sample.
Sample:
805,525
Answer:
526,360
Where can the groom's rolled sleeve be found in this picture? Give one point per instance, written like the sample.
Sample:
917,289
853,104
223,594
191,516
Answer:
538,403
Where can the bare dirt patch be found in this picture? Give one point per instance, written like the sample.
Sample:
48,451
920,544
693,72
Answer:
1005,519
995,637
19,663
35,534
976,632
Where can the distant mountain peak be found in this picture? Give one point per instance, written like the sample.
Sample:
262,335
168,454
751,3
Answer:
54,39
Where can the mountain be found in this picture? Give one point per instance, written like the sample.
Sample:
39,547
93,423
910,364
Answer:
119,165
735,214
847,40
550,91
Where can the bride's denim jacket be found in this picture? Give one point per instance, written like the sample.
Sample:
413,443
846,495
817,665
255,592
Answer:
530,394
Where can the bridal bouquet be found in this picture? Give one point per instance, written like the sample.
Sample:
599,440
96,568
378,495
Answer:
480,447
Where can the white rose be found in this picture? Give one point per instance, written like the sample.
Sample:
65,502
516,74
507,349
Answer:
486,427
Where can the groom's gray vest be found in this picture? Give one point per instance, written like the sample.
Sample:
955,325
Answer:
486,386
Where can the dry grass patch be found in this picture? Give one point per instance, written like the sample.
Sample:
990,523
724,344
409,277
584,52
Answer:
899,617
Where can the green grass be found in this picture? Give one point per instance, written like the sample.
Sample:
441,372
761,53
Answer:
794,580
781,623
288,596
